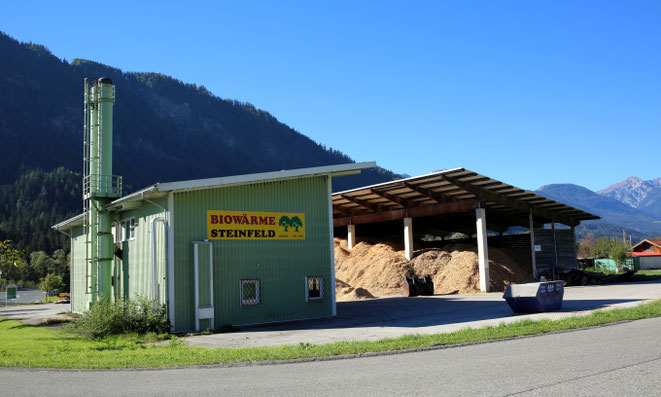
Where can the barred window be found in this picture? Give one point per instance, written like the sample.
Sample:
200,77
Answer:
250,292
315,288
126,230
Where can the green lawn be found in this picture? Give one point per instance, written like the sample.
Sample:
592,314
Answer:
43,347
608,272
650,272
50,299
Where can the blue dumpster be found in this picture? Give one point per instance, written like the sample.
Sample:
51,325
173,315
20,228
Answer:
535,297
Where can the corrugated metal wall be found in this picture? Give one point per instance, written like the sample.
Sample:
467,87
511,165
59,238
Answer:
280,265
133,274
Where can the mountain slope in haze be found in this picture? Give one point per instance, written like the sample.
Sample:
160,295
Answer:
614,213
637,193
164,130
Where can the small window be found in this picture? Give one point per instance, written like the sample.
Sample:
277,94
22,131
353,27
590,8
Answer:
249,292
116,232
127,229
315,288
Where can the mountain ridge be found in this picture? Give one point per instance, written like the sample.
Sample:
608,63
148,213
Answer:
164,130
614,213
637,193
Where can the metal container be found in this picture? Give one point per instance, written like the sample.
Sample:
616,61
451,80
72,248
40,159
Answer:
414,286
535,297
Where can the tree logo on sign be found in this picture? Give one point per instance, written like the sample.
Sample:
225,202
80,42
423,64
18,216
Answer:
296,223
285,222
288,222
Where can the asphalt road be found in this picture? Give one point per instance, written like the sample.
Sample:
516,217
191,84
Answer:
34,314
616,360
24,296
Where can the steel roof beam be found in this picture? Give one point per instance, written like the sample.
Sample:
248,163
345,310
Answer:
345,211
363,203
395,199
429,193
429,210
520,205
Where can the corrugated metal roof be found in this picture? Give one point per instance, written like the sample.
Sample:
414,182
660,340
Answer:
645,253
449,191
69,223
210,183
333,170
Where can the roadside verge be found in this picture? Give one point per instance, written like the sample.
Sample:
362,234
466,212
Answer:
29,346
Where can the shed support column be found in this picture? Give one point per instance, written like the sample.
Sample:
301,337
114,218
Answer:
408,238
573,239
351,236
532,247
482,248
555,249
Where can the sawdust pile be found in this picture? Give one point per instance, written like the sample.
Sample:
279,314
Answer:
376,268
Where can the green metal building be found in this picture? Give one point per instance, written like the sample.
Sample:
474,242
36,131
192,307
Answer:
236,250
164,249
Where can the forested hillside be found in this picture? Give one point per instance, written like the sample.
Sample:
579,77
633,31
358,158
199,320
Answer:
33,203
164,130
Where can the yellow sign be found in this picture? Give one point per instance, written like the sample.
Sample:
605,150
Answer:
241,225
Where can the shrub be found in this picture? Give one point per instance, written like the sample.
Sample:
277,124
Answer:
619,253
51,282
26,284
106,318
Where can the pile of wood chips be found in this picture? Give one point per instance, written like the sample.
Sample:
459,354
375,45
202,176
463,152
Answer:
377,268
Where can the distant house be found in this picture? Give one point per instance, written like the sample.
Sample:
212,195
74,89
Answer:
648,253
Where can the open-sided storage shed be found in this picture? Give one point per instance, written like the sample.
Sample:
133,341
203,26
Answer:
464,201
223,251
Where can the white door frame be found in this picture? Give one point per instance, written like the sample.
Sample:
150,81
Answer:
203,312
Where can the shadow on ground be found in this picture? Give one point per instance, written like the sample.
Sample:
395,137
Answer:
420,312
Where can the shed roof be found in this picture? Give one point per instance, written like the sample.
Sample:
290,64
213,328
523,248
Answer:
449,191
651,241
639,254
161,189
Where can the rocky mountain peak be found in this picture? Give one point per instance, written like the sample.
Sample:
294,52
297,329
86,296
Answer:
633,191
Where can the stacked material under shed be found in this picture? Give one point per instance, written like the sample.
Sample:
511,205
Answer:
378,268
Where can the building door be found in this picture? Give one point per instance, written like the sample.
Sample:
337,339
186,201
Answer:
160,254
203,274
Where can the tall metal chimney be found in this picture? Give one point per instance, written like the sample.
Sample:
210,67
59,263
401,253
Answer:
99,186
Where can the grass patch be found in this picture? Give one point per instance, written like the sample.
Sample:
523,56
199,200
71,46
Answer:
650,272
40,347
49,299
605,271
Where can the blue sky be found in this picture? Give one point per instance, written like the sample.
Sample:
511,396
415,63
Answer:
529,92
